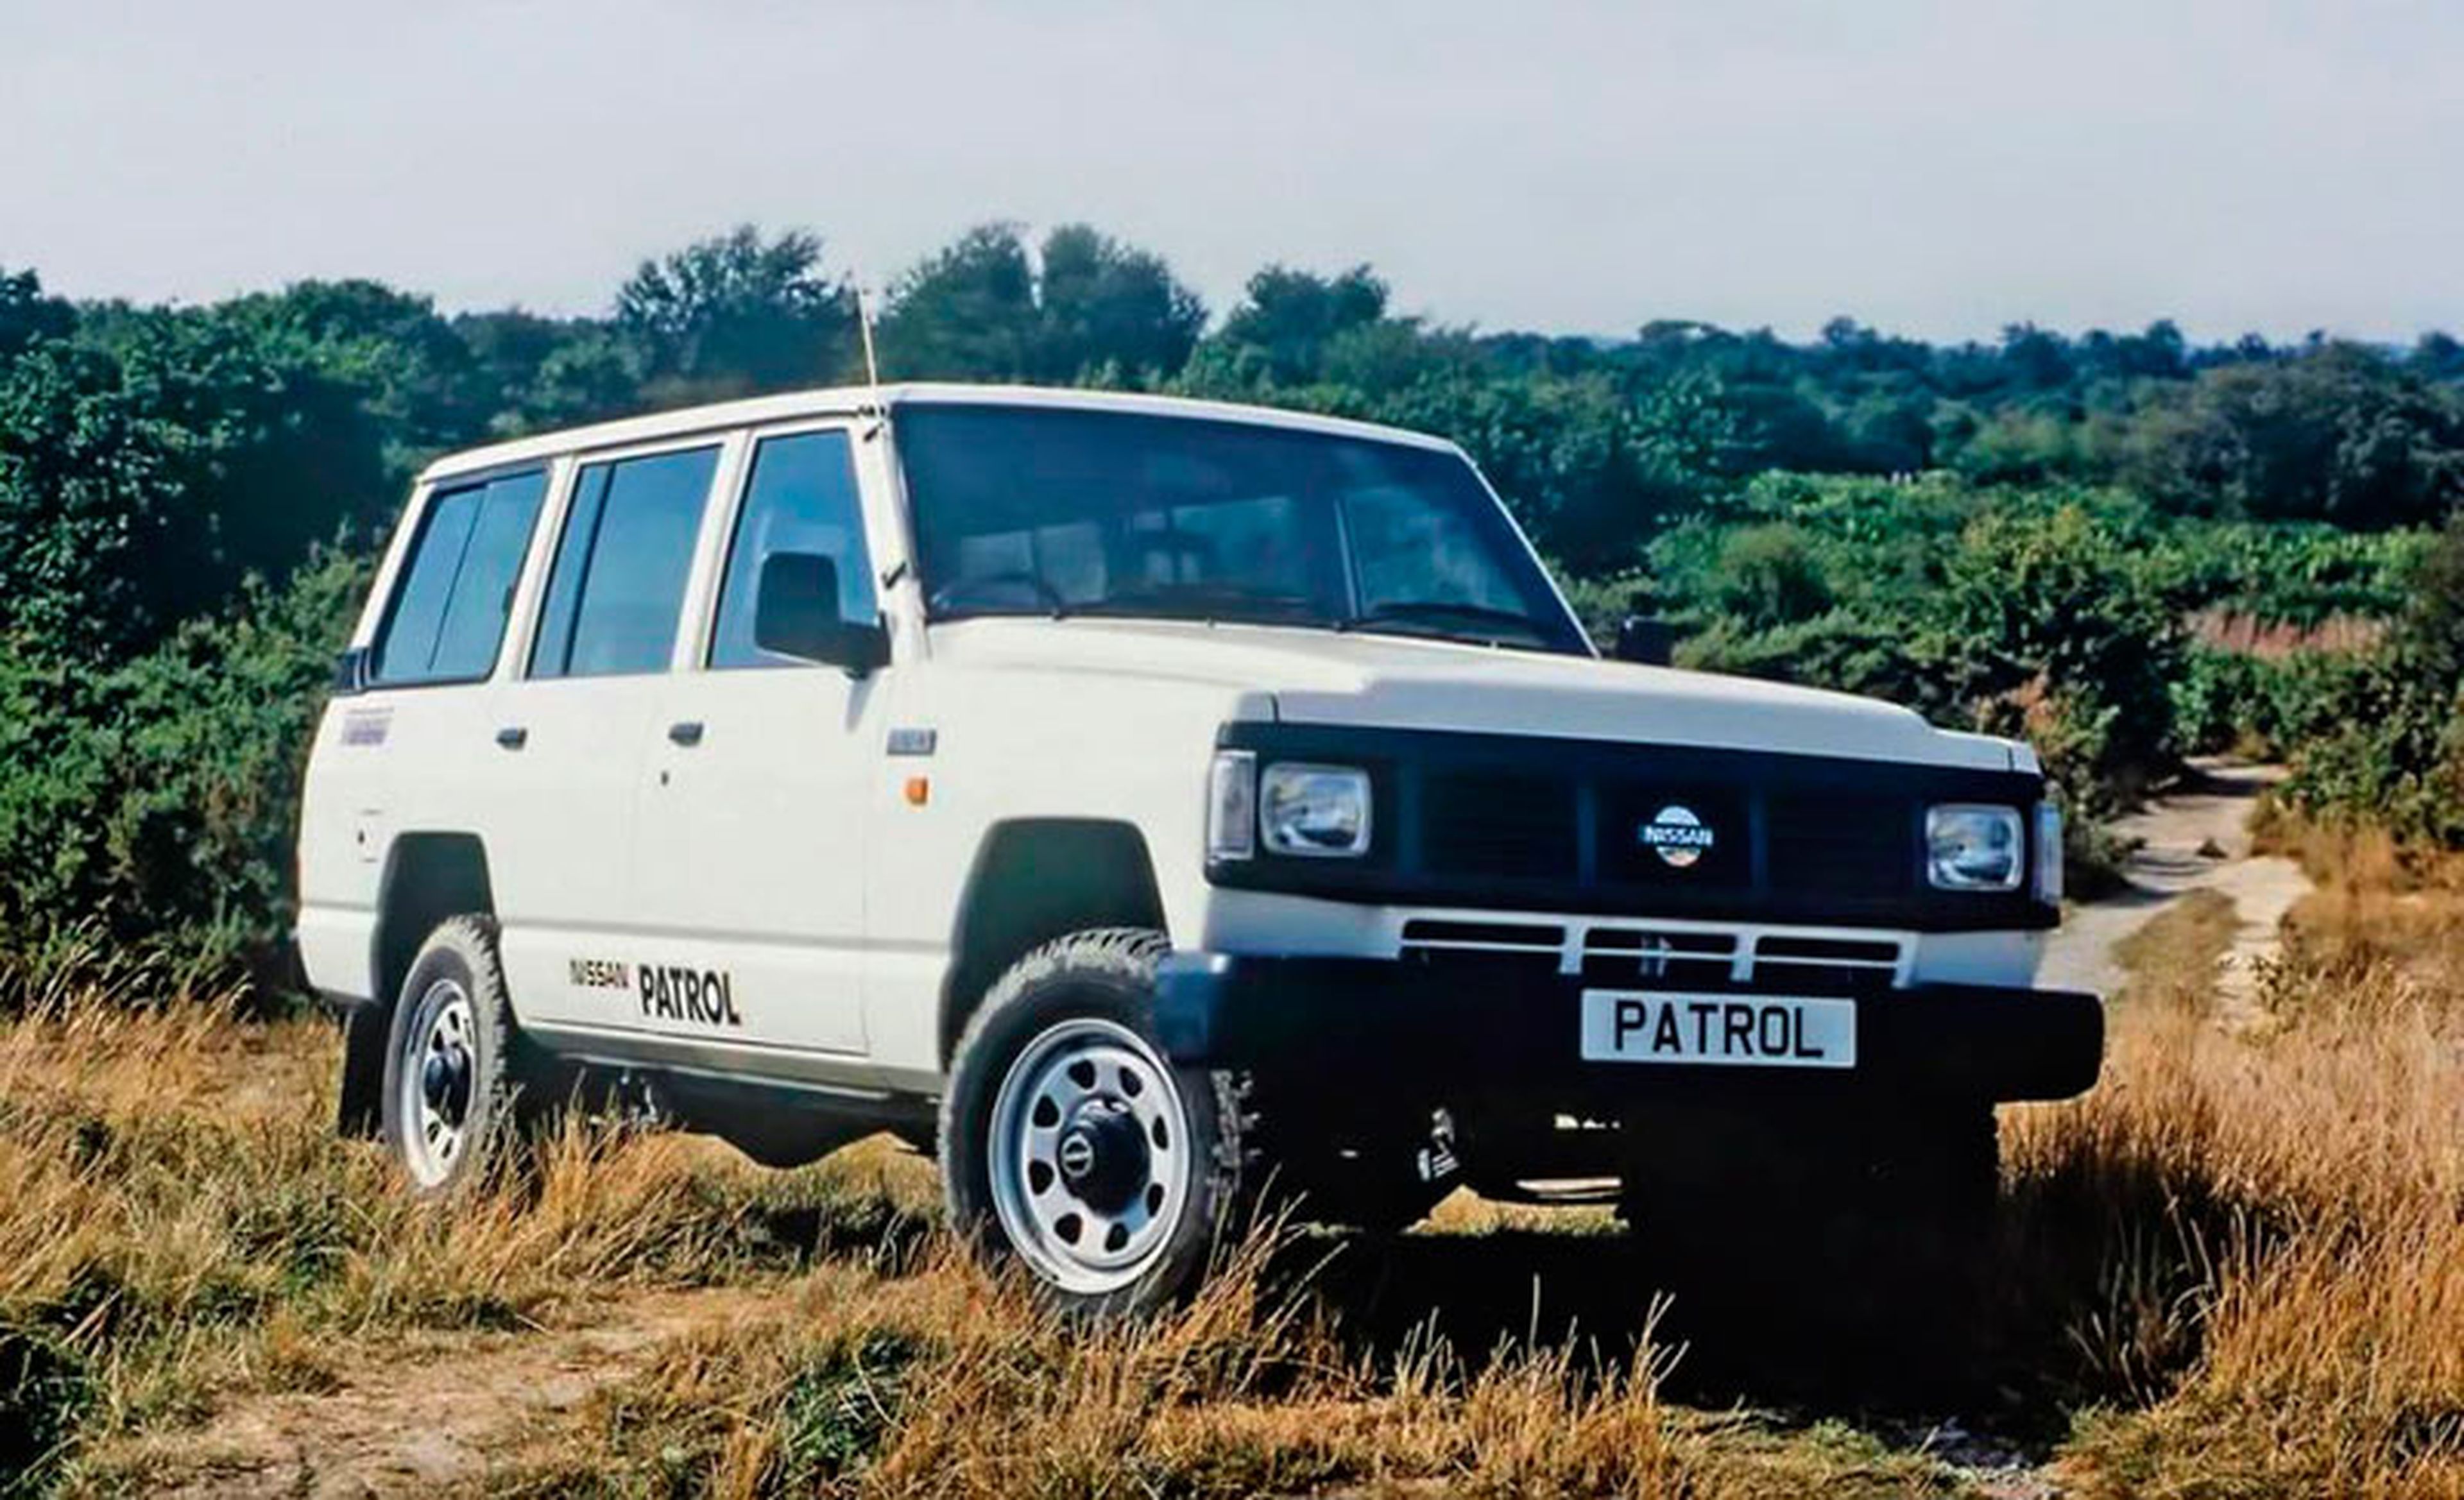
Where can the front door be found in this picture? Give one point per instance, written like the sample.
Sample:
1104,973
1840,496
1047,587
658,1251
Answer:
749,859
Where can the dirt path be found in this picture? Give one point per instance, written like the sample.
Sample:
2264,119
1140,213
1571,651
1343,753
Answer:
427,1417
2196,837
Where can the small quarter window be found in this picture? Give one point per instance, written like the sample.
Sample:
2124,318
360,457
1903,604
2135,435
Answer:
449,615
619,581
801,497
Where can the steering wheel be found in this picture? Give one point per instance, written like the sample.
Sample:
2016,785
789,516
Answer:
956,588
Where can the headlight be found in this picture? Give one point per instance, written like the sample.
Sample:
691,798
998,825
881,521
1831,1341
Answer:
2049,852
1971,848
1316,811
1232,806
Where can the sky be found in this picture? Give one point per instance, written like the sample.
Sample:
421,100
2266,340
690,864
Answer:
1935,170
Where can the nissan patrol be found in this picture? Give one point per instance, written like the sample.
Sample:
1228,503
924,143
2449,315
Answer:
1137,801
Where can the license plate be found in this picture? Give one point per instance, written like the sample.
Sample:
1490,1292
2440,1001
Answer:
1719,1030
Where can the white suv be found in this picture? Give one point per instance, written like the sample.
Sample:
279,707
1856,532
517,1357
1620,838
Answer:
1129,798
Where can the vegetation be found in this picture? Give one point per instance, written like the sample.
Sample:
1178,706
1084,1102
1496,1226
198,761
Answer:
2123,546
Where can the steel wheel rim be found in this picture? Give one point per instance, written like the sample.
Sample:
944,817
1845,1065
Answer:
1074,1091
436,1117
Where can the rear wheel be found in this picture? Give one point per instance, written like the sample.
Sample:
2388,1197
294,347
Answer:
1071,1142
448,1094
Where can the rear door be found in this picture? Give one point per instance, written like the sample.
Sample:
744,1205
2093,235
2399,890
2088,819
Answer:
568,733
750,861
405,753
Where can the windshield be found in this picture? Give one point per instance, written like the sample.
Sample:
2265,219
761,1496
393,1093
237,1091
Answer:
1053,511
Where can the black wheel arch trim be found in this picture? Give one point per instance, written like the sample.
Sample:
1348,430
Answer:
1033,880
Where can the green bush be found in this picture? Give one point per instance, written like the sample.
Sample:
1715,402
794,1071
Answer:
158,798
2381,742
1770,575
2223,700
2042,614
2270,706
2056,614
2284,573
2388,752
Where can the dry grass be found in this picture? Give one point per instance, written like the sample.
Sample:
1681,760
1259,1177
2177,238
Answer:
180,1223
948,1382
2281,1307
2236,1269
185,1237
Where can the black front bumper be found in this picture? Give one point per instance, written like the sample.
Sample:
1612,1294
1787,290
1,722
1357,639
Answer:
1424,1028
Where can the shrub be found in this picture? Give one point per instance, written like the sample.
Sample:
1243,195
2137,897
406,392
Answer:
2057,607
1770,575
156,798
2381,742
2042,616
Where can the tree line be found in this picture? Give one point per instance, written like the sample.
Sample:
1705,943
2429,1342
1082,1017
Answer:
188,496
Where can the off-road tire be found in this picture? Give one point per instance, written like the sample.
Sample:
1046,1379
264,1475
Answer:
457,962
1105,977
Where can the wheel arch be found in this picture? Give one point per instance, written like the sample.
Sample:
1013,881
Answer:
429,876
1036,879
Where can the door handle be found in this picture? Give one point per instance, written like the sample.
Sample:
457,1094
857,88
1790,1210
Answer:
512,736
686,732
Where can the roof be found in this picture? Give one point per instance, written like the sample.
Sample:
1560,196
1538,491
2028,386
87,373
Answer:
847,400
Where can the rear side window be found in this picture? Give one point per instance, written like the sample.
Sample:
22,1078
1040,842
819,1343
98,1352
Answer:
801,497
449,617
621,566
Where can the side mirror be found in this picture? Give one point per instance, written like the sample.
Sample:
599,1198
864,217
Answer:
796,614
1652,643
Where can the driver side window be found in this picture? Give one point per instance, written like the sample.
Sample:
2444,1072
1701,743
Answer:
802,496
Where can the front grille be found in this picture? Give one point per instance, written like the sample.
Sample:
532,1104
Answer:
1512,828
1524,823
1693,959
1485,937
1844,842
1492,825
1643,954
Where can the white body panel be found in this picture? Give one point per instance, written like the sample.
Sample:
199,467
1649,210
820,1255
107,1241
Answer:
786,850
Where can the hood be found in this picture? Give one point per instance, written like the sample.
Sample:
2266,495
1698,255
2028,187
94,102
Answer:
1324,678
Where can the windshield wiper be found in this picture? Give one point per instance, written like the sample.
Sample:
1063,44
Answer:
1435,611
944,602
1209,601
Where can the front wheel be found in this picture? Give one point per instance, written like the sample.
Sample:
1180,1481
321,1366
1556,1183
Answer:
1071,1142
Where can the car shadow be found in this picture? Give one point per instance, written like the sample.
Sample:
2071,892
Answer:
1798,1335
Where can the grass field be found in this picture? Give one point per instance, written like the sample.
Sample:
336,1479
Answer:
2236,1269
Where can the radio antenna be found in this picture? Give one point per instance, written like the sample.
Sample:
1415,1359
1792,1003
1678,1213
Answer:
871,361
